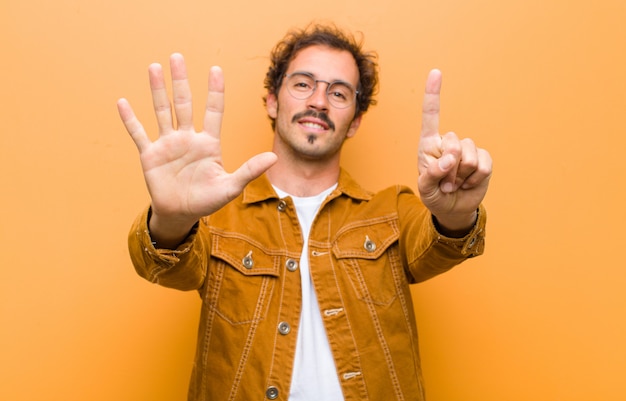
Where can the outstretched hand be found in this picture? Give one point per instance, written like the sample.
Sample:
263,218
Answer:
454,173
183,169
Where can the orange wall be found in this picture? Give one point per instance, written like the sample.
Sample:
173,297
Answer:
540,83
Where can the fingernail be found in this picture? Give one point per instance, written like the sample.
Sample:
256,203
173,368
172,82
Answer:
447,187
446,162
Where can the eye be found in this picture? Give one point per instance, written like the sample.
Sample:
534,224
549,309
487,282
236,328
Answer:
301,82
338,95
341,92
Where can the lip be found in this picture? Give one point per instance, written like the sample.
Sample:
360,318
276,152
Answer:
317,123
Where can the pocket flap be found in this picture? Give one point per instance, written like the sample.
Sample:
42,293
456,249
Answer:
245,255
368,240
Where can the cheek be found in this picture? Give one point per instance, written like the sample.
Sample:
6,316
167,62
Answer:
283,110
348,123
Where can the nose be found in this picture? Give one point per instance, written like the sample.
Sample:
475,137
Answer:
319,99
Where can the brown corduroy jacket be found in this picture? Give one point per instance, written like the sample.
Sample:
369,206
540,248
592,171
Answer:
364,251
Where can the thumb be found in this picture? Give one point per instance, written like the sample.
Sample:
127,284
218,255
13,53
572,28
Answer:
432,179
253,168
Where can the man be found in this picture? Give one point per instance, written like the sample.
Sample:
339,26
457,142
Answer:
304,276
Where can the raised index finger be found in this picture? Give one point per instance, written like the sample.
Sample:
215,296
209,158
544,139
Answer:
430,107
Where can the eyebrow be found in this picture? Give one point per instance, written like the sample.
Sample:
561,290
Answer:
340,81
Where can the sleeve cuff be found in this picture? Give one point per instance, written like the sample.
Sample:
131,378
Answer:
162,256
473,244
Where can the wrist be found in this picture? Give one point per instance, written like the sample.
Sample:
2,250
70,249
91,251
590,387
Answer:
168,232
455,226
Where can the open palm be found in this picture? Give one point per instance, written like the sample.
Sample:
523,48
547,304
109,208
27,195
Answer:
183,168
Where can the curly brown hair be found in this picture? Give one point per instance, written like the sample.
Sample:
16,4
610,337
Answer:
327,35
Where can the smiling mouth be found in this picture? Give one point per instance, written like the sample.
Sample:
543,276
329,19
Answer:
314,120
313,125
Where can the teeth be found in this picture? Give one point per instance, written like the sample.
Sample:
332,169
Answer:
312,125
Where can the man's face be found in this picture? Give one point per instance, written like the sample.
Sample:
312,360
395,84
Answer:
312,128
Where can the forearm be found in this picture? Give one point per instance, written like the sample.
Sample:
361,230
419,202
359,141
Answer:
440,252
168,232
179,268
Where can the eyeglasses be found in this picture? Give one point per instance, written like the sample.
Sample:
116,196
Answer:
302,85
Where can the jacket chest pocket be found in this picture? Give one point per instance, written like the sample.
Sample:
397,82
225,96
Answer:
243,279
368,255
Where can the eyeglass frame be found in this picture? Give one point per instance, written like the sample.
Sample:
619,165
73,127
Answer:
328,85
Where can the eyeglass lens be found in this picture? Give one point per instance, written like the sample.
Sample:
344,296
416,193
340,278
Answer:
301,86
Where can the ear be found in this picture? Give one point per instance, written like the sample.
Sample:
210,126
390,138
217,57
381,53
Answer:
354,126
271,105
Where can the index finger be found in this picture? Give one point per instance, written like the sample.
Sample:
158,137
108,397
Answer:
215,102
430,107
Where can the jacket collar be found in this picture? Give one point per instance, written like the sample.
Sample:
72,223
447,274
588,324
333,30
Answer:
261,189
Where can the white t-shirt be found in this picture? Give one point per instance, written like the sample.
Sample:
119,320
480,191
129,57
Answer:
314,375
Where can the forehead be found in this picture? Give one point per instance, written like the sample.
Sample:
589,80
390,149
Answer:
326,63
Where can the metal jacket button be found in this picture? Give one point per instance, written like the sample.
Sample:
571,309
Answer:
248,263
292,265
284,328
369,245
282,205
271,393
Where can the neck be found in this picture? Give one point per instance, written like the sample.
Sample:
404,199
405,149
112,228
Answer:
303,179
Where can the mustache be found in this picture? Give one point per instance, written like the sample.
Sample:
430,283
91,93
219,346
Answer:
312,113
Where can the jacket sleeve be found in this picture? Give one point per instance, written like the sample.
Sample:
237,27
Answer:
429,253
183,268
